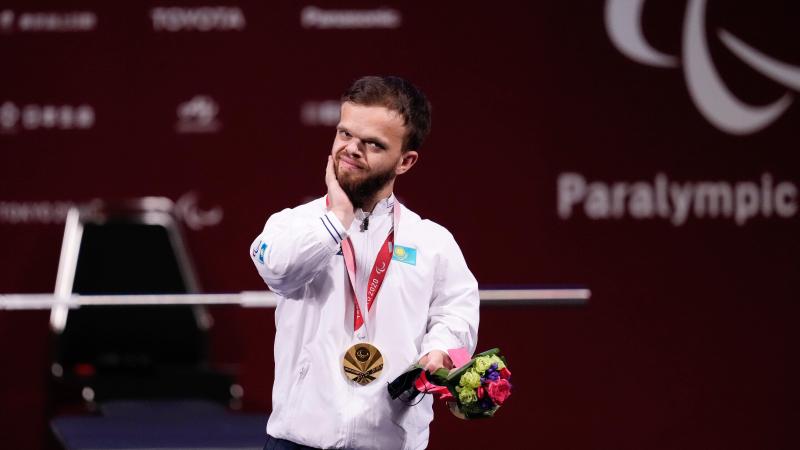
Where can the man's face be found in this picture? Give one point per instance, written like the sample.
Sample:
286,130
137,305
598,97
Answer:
367,151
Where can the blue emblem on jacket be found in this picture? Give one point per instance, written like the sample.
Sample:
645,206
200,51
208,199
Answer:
261,252
406,255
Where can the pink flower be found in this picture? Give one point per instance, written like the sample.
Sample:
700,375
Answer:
499,391
481,392
505,373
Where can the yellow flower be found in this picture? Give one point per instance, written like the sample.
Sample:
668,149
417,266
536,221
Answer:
467,396
470,379
482,363
494,359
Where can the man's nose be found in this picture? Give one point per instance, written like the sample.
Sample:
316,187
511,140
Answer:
354,148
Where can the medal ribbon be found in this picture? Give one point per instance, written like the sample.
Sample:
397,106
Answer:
378,273
376,276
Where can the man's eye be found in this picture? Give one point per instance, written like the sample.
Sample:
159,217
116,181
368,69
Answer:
375,145
344,133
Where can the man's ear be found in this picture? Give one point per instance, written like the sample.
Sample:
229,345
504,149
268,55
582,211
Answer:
407,160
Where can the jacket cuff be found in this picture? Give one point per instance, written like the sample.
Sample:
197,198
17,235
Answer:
331,230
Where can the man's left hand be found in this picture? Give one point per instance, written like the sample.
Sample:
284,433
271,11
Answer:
436,360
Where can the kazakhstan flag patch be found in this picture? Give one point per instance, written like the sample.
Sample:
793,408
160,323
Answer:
261,252
405,254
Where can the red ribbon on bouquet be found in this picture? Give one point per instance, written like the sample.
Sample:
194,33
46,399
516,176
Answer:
459,356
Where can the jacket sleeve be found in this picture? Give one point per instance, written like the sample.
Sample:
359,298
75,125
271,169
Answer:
453,314
294,247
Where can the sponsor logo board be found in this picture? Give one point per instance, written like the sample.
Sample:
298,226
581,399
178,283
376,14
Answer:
198,115
186,209
32,117
323,113
47,21
312,17
198,19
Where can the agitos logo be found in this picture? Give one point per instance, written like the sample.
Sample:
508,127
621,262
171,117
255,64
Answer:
711,96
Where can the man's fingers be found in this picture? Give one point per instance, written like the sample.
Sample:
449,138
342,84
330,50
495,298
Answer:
329,170
430,364
447,362
431,367
339,203
330,177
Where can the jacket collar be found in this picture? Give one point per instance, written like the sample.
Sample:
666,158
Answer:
384,206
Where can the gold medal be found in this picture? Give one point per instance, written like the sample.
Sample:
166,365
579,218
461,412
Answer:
362,363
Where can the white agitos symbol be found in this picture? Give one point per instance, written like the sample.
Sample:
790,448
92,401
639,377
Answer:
382,268
710,94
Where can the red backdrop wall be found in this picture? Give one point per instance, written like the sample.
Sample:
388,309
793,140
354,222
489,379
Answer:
685,226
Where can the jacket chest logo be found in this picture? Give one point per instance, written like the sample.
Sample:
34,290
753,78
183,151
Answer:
406,255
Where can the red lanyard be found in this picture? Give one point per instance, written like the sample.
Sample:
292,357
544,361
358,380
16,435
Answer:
378,273
376,276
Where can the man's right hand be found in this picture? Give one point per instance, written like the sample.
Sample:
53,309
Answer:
339,203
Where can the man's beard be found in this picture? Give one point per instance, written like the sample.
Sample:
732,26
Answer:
361,192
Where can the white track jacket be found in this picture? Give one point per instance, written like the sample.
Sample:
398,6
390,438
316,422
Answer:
428,301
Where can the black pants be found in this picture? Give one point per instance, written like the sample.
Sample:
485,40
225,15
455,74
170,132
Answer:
283,444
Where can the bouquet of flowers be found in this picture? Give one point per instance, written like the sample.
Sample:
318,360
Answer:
474,390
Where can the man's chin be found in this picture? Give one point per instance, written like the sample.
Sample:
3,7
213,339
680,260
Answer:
349,179
360,187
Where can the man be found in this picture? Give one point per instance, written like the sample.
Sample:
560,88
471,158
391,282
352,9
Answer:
367,288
